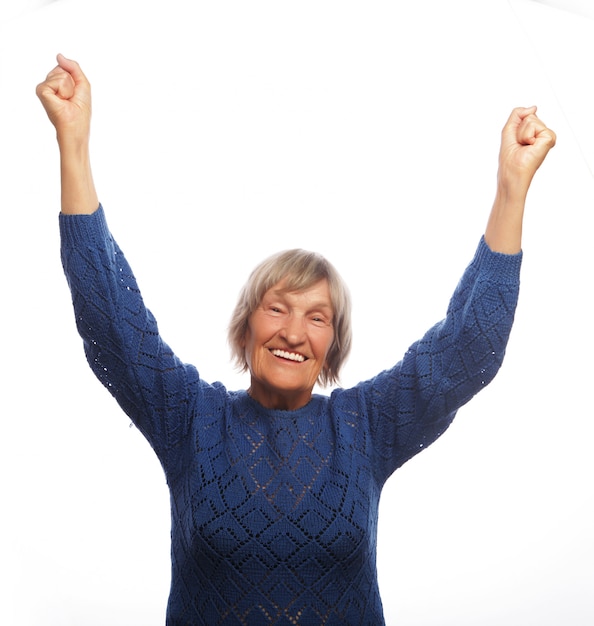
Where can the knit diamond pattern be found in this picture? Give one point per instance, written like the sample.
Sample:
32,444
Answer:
274,513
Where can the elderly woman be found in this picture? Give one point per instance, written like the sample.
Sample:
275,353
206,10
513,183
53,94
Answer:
275,490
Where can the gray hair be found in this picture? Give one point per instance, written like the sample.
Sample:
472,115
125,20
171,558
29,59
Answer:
300,269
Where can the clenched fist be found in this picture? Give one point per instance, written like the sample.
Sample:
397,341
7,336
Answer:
66,97
525,142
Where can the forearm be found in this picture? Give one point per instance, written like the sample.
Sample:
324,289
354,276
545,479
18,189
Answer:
77,186
504,227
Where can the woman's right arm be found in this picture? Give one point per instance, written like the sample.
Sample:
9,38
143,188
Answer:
66,97
121,339
120,335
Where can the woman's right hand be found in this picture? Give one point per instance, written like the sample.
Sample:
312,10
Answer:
66,97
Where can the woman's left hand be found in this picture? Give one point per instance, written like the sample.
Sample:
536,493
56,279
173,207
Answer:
525,142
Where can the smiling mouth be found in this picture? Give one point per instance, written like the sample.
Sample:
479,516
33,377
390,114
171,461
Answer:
289,356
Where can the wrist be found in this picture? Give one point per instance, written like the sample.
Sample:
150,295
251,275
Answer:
511,195
513,185
72,143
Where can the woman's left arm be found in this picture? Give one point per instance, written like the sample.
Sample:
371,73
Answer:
525,142
412,404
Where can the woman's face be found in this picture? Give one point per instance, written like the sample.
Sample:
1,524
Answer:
286,344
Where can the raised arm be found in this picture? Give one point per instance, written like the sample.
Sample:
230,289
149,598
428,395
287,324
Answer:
121,338
525,142
66,97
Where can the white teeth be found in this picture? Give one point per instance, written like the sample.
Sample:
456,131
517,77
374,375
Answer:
289,355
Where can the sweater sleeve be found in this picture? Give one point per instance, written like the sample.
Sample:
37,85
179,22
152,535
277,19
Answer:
409,406
120,335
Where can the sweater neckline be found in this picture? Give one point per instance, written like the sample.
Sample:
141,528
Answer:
312,407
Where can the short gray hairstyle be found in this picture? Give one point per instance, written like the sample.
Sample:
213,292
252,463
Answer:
300,269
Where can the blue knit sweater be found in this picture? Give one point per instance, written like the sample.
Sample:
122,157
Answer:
274,513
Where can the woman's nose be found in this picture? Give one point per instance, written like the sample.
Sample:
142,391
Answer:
293,331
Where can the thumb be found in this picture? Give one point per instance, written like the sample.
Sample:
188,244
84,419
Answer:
73,68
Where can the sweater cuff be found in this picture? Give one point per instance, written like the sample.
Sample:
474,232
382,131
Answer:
76,229
500,267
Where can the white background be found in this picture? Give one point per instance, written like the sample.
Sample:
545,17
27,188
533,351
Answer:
224,131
